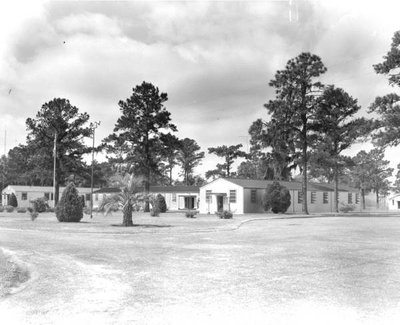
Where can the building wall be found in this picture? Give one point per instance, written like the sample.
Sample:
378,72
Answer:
221,186
176,200
35,192
315,199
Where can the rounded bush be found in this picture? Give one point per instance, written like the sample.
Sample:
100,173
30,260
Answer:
40,204
276,198
161,204
70,208
13,200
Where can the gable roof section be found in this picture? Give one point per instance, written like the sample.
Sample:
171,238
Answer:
155,189
27,188
255,183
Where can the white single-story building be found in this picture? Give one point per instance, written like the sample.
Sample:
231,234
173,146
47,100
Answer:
394,202
245,196
26,194
179,197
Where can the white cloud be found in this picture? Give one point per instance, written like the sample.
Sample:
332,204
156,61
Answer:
213,59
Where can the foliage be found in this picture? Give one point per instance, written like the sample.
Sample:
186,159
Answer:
10,208
169,152
59,125
70,208
388,106
282,158
13,200
40,204
396,184
1,208
21,210
387,125
160,203
225,214
136,141
189,157
128,199
293,110
190,214
34,215
391,61
276,198
337,131
230,154
371,172
345,208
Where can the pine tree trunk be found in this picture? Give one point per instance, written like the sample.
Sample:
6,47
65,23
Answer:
304,185
363,198
377,199
336,181
127,216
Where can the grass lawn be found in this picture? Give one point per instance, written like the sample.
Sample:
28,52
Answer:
253,269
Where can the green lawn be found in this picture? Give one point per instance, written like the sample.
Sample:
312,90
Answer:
174,270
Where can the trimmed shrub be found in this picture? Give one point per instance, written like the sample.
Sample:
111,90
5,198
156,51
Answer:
347,208
190,214
225,214
160,203
1,208
276,198
21,210
13,200
9,208
155,212
34,215
40,204
70,208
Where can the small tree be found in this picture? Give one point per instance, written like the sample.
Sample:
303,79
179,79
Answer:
128,198
161,204
13,200
276,198
70,208
40,204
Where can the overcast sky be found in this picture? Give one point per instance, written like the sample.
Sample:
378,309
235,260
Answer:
214,59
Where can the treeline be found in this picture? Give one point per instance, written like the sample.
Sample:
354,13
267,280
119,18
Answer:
308,127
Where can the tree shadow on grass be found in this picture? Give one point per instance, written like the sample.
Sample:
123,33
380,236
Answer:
142,225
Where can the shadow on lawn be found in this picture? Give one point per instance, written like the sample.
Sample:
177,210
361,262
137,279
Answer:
142,225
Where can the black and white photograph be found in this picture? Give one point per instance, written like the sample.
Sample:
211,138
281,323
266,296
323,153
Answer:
199,162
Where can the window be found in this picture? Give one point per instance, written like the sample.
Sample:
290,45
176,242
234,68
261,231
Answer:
87,196
253,196
96,197
24,196
325,199
47,196
350,198
173,197
313,197
232,196
208,196
299,197
357,198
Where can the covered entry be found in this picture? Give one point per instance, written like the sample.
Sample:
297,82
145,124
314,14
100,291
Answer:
187,202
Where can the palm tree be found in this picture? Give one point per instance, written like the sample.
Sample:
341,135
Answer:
127,199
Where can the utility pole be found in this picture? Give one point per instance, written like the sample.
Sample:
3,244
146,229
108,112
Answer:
54,167
93,126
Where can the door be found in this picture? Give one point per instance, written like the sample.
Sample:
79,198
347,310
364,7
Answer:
189,202
220,203
398,204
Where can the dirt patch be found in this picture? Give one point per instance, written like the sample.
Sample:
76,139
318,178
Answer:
12,274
